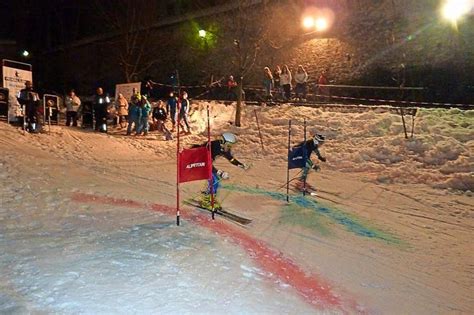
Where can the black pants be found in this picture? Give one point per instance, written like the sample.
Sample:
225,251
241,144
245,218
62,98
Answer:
71,117
287,90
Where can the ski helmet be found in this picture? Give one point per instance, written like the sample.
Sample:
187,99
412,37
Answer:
229,137
318,139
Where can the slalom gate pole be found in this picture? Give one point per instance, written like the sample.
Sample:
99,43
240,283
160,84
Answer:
259,132
211,175
288,164
177,178
305,158
177,152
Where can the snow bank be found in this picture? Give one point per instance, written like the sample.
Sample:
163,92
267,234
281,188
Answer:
371,142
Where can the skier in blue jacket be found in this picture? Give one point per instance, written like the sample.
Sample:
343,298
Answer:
311,145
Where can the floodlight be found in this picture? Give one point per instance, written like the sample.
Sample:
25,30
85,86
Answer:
321,24
453,10
308,22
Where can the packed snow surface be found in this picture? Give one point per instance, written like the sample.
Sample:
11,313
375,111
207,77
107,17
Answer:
392,231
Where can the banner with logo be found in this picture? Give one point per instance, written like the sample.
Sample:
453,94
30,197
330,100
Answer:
14,79
297,157
127,89
14,76
194,164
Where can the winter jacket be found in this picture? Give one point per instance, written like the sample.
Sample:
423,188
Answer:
122,107
184,106
133,111
145,109
72,103
285,79
171,104
301,77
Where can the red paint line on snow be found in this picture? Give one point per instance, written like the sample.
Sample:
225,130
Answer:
313,289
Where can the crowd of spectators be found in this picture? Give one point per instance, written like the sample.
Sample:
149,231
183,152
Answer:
138,115
135,116
278,84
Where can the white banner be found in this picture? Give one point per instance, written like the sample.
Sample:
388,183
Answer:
14,79
126,89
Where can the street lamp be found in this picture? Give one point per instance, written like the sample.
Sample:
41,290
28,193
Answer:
202,33
317,19
308,22
453,10
25,53
321,24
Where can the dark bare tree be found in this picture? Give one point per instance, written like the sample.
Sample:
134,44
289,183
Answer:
135,42
243,36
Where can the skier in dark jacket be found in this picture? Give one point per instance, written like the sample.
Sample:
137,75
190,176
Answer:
221,147
311,145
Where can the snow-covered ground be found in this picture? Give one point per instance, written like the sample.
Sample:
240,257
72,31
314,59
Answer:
87,224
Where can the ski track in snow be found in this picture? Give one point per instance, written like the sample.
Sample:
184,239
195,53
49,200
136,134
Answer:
315,291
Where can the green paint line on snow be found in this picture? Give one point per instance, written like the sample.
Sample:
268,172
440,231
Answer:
293,214
348,221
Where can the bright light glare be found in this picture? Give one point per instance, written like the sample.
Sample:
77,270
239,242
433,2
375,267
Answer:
308,22
25,53
202,33
453,10
321,24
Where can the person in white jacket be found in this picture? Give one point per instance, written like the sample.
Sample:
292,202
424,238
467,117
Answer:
72,105
301,79
285,82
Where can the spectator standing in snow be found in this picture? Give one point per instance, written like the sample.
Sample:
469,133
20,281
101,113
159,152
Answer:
101,106
171,106
122,110
29,99
159,119
73,104
231,86
268,82
276,80
144,113
183,113
133,111
323,80
285,81
301,79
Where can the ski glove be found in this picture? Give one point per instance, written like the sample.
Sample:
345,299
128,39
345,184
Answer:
316,167
222,174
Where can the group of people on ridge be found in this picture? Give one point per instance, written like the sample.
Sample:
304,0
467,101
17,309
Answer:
281,81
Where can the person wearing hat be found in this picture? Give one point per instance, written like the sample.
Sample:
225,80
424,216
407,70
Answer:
219,147
311,145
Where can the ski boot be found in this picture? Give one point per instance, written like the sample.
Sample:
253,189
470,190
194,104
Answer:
205,203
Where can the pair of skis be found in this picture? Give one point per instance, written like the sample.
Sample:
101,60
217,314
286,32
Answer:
224,213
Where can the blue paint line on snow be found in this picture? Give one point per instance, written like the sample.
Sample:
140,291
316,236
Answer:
351,224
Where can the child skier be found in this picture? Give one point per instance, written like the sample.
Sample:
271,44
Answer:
220,147
311,146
